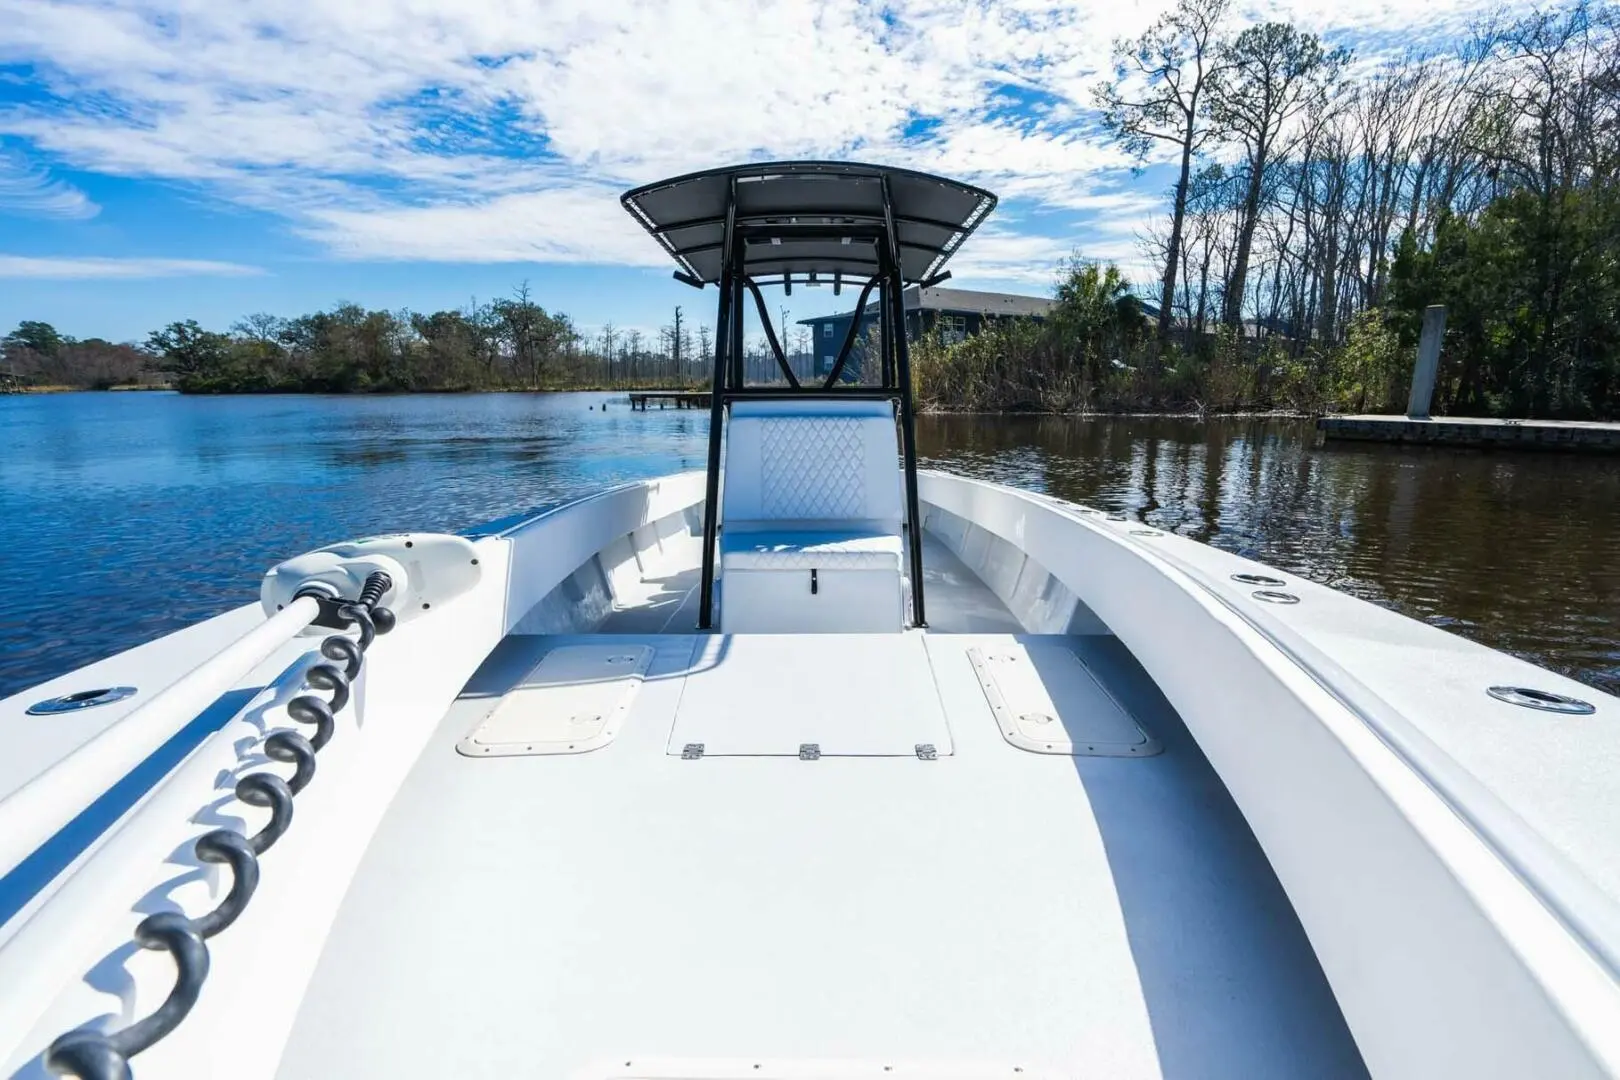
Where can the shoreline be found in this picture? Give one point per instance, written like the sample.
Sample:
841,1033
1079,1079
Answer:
930,411
922,410
58,388
1097,414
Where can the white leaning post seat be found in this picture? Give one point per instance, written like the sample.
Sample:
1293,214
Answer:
810,518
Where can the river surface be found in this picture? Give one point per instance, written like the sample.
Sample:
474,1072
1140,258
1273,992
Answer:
124,516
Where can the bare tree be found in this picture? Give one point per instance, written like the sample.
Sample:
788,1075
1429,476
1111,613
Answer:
1155,96
1268,75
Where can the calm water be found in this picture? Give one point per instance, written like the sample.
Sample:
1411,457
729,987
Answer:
123,516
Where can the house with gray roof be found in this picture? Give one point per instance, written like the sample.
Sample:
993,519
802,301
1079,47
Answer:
951,313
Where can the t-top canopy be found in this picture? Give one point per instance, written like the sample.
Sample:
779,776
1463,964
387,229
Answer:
800,218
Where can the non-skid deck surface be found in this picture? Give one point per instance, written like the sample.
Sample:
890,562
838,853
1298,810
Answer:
956,601
562,916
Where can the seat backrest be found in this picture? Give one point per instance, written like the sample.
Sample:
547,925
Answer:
800,464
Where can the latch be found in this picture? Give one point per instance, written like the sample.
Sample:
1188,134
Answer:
809,751
692,751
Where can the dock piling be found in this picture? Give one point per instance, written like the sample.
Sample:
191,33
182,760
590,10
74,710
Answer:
681,399
1428,362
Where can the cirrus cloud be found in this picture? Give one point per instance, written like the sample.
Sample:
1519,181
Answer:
87,268
29,191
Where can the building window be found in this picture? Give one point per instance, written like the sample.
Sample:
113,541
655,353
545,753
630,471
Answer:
951,328
826,329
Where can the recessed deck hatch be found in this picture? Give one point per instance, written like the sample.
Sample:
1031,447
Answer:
630,1068
1047,701
573,701
845,695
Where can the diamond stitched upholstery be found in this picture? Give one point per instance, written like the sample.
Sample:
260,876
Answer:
819,550
811,486
811,468
800,464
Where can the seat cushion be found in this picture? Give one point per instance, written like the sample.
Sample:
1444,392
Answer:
807,549
820,465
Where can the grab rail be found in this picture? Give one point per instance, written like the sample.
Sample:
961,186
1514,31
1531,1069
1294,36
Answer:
45,947
42,807
96,1055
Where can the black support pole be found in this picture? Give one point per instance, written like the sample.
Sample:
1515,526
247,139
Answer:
895,299
717,423
908,429
770,335
888,346
854,332
717,417
738,377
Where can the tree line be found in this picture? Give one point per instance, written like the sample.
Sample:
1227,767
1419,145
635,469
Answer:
507,344
1320,203
35,354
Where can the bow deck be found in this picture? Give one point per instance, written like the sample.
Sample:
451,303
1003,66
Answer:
567,915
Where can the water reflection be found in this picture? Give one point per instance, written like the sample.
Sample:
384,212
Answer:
1521,552
123,516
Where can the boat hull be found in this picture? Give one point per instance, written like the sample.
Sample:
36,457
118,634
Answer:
1450,860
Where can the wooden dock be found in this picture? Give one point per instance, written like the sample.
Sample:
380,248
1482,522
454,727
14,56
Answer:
681,399
1577,436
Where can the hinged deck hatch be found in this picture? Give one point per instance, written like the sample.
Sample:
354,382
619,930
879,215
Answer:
811,696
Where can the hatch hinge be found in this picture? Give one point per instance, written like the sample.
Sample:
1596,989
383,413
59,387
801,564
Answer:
926,752
692,751
809,751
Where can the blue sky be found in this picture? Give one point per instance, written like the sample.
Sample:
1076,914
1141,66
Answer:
167,159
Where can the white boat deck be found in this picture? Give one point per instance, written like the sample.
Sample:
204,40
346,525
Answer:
625,912
957,601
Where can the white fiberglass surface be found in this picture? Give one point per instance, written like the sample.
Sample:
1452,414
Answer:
539,916
842,694
666,601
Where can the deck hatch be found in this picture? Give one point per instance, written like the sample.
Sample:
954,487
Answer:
573,701
768,1069
812,697
1048,702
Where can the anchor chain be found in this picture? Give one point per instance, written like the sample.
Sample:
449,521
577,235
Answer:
94,1055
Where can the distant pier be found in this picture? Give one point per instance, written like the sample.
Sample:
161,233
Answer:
1577,436
681,399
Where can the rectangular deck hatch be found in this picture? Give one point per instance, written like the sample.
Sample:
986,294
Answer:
844,695
630,1068
1048,702
573,701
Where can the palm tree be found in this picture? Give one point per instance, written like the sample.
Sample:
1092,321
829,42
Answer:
1096,313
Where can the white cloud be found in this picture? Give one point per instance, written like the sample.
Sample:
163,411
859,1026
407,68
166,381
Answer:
76,269
494,130
29,191
563,225
995,254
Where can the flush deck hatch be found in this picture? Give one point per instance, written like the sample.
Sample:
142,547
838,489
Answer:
1047,701
572,702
